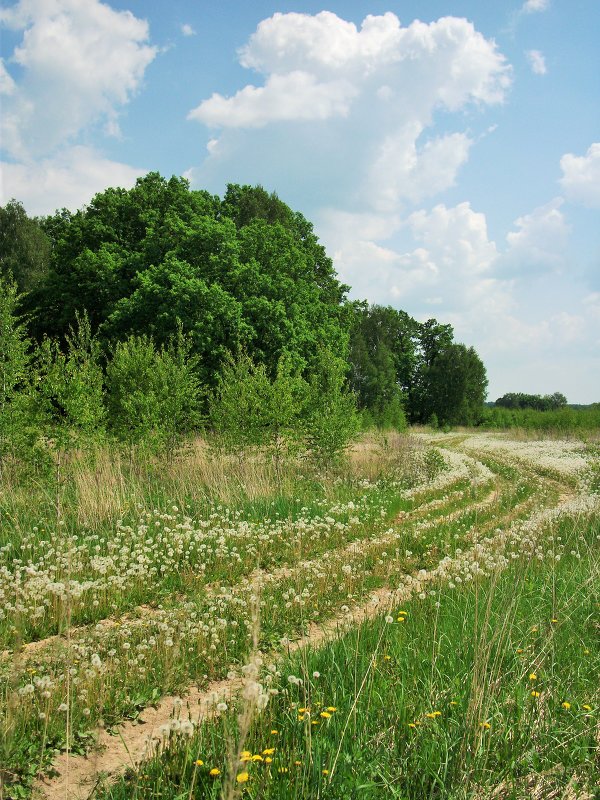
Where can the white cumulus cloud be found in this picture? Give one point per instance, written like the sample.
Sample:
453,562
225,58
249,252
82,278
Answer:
68,179
295,96
187,29
581,177
80,62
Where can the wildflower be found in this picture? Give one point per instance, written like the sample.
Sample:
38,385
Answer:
268,751
316,674
387,658
282,769
268,760
257,757
532,676
274,732
198,762
325,772
298,763
485,725
401,619
314,722
325,714
566,705
331,708
221,706
453,703
214,771
586,707
535,694
554,620
412,725
389,619
242,777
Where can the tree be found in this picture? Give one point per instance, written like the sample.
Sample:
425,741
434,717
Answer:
18,423
154,395
455,386
24,247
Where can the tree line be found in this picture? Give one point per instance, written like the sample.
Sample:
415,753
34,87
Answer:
160,294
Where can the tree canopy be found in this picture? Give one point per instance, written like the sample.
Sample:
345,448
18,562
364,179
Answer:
244,275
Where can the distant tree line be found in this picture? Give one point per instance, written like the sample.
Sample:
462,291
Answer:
547,402
162,308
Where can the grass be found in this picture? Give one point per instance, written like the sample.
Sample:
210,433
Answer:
490,686
155,592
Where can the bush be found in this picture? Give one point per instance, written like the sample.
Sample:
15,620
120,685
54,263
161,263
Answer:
154,395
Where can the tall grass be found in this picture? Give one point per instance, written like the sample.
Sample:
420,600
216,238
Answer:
486,689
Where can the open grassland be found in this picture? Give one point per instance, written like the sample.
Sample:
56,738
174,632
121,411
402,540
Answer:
228,585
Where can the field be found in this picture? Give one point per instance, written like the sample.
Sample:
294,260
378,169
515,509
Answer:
421,623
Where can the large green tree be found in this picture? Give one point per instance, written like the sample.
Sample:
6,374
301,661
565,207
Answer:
245,272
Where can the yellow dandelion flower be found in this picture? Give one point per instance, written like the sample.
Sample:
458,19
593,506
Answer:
268,751
401,619
554,620
325,714
243,759
412,725
268,760
430,716
403,612
437,713
485,725
282,769
331,709
453,703
325,772
242,777
535,694
215,771
532,676
566,705
257,757
315,722
199,762
298,763
303,710
520,650
274,732
301,717
586,707
387,658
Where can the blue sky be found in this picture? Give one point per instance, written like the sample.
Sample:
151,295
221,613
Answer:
448,153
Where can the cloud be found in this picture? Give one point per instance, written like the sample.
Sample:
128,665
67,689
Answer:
327,59
69,179
80,62
402,171
581,177
187,30
7,84
531,6
540,243
294,96
537,62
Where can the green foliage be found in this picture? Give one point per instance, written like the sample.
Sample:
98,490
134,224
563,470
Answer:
154,395
454,386
18,428
24,247
549,402
71,385
243,273
562,421
331,417
248,409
